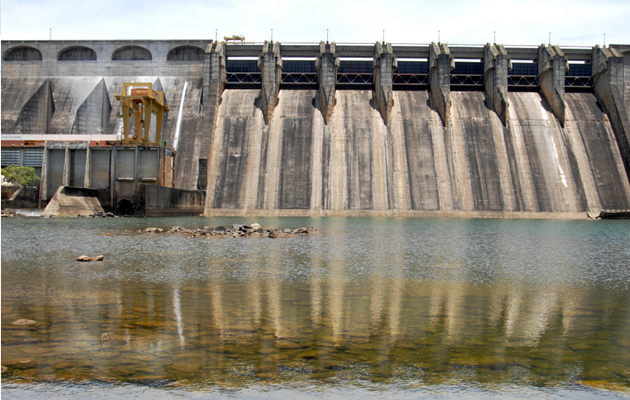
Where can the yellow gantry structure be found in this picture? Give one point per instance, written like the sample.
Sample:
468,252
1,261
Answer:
140,104
234,38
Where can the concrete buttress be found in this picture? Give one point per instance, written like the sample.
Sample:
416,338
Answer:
270,64
441,63
496,64
608,85
552,66
327,64
385,63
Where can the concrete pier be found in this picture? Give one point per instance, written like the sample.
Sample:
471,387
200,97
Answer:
214,73
327,64
270,64
609,78
385,63
441,62
496,64
552,66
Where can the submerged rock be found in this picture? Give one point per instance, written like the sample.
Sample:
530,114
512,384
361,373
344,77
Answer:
278,235
23,322
99,214
88,258
106,337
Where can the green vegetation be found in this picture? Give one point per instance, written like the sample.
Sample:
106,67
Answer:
21,175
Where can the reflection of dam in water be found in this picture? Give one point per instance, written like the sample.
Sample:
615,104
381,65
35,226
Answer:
434,300
272,129
388,325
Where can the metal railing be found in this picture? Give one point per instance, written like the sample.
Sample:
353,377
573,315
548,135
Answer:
466,80
355,79
243,78
255,78
578,81
299,78
523,80
411,79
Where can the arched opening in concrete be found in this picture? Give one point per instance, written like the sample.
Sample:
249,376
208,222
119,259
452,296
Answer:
23,53
132,53
125,207
185,53
77,53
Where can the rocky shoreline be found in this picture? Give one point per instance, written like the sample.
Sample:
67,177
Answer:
236,231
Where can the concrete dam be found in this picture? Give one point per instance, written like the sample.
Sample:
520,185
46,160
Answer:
354,130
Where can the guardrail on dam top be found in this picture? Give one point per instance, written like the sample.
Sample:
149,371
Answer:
67,87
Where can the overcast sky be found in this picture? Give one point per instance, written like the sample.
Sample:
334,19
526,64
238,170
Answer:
574,22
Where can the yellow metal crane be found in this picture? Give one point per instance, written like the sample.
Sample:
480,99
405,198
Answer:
141,102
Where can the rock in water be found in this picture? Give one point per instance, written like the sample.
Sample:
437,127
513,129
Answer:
23,322
87,258
256,226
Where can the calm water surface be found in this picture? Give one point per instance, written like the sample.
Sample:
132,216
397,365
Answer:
366,308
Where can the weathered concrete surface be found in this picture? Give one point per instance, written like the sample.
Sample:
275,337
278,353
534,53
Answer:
160,201
552,163
599,164
71,202
20,196
415,166
27,105
195,129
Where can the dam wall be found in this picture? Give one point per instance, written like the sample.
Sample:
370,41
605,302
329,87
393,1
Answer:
352,129
357,165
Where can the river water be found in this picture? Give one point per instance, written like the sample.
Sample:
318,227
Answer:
364,308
